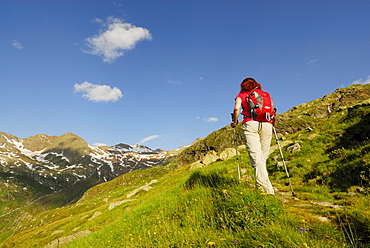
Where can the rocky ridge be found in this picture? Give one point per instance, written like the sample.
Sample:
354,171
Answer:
306,114
300,117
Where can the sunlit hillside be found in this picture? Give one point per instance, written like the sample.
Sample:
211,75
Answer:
197,200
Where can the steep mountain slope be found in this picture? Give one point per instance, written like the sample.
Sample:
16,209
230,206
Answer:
306,114
179,206
298,118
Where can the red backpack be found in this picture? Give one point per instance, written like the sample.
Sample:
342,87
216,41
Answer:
261,106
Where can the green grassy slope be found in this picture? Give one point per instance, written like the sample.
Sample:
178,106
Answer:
208,206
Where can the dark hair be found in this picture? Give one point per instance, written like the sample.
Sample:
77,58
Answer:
249,84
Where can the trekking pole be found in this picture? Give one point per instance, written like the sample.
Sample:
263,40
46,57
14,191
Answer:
236,153
282,157
236,147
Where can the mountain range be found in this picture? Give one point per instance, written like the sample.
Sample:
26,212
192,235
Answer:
55,163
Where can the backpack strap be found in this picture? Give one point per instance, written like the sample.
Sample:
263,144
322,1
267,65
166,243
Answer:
245,112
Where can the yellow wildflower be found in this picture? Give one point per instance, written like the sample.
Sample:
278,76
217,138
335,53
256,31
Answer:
211,243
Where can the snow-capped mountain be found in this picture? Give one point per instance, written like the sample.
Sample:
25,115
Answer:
123,148
60,162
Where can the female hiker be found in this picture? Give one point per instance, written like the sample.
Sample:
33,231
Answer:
257,128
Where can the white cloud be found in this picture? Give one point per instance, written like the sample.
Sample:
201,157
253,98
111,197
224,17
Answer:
313,62
211,119
98,93
17,44
147,139
361,81
97,20
208,119
174,82
116,38
99,144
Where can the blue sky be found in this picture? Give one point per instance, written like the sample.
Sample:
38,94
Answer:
163,73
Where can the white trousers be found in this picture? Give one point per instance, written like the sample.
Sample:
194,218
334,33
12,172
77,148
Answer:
257,137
